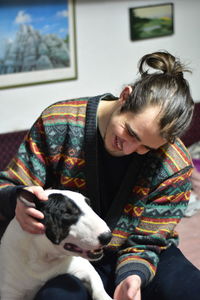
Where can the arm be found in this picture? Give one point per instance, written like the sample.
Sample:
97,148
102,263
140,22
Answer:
49,156
196,182
28,167
155,217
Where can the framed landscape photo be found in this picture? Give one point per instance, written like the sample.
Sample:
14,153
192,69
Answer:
37,42
151,21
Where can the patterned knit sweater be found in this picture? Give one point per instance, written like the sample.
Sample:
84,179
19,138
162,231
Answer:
60,151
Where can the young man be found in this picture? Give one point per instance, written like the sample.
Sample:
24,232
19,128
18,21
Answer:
125,155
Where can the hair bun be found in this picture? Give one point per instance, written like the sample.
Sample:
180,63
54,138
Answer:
162,62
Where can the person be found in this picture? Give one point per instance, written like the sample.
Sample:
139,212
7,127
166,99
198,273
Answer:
196,182
125,154
194,151
194,203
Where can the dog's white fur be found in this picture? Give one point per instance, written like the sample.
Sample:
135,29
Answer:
27,261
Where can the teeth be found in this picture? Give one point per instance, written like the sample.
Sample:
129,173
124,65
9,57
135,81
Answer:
96,251
95,254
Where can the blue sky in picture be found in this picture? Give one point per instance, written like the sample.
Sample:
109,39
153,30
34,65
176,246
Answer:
48,17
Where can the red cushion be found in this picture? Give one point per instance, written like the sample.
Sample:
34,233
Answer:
9,144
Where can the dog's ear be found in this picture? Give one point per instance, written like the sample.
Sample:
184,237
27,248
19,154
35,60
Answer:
87,200
29,199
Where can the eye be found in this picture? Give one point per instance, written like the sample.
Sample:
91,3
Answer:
130,132
66,220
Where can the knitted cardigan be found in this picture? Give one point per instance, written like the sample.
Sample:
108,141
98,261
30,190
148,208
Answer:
60,151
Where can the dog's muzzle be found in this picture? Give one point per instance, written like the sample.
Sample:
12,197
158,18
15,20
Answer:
88,254
96,254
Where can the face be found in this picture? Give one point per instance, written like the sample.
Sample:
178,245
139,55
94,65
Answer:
71,226
127,133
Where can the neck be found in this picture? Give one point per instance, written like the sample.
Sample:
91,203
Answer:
105,110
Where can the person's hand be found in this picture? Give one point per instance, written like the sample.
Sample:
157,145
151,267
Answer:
196,182
129,289
26,215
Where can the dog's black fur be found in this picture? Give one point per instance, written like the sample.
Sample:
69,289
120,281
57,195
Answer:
60,212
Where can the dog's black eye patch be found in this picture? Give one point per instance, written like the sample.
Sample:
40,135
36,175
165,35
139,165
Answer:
62,207
64,204
60,212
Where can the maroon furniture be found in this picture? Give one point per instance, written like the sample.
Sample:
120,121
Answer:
9,143
193,133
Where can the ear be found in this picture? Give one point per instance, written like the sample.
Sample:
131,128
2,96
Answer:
87,200
29,199
125,94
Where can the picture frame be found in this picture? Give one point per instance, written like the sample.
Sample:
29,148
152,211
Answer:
38,42
151,21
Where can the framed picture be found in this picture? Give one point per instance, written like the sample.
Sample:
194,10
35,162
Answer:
151,21
37,42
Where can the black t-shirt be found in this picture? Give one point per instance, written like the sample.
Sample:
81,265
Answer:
112,171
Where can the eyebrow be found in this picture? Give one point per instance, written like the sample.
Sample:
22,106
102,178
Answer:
134,134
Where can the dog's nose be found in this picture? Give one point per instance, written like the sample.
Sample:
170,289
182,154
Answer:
105,238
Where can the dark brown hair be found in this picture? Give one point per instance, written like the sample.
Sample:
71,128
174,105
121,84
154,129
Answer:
164,87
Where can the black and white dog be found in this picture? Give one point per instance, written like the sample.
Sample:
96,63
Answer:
74,235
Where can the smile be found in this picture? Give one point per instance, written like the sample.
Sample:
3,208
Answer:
118,144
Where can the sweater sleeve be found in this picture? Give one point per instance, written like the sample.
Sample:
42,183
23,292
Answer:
28,167
153,228
51,154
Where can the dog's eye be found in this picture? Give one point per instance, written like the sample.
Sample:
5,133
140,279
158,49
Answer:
68,214
66,219
87,200
69,220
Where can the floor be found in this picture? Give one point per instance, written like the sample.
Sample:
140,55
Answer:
189,233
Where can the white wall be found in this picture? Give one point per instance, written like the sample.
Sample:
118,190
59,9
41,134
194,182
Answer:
106,57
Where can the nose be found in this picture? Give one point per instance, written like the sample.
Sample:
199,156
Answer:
142,150
130,147
104,238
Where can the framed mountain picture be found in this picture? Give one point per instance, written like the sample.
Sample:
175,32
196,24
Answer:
37,42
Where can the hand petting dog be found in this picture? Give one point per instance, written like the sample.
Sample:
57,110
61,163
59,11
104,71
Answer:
26,216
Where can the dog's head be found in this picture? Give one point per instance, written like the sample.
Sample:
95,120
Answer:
70,223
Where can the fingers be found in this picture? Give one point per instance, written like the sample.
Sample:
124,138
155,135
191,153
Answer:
30,225
27,216
133,291
130,294
129,289
38,191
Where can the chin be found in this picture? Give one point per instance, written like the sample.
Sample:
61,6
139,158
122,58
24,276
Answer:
114,152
